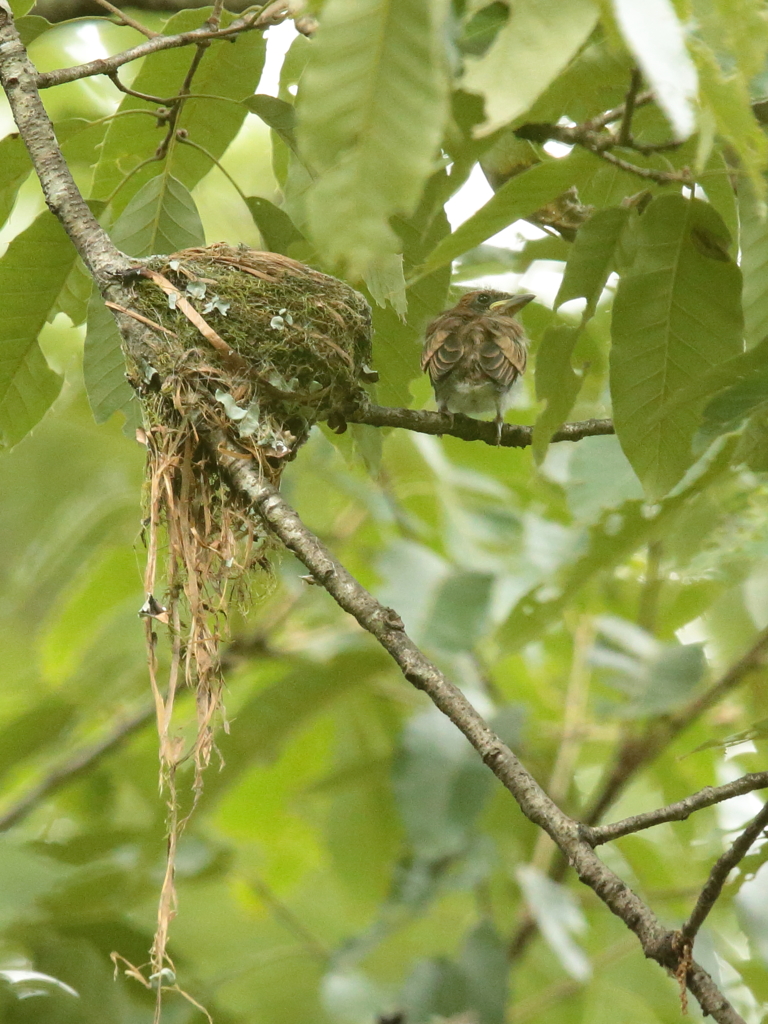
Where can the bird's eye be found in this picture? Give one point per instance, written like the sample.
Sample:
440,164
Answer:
483,298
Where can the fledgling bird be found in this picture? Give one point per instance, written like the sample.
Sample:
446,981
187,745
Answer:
475,352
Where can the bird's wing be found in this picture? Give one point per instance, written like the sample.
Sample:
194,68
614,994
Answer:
501,350
443,347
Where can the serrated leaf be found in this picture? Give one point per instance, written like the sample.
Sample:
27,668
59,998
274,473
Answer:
655,36
14,169
676,315
230,70
74,296
20,7
104,364
32,273
459,612
556,382
727,99
439,787
531,49
559,916
613,537
161,218
730,407
279,115
754,264
386,283
525,194
374,139
591,257
277,230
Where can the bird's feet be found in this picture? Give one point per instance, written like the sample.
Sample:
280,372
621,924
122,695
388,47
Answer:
499,421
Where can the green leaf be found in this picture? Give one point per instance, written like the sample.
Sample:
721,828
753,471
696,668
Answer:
600,478
559,916
32,273
730,407
534,46
613,538
75,295
656,677
460,611
556,382
161,218
20,7
104,365
228,70
270,718
596,79
484,960
655,36
754,264
14,168
372,106
591,257
523,195
277,230
386,283
677,314
726,99
440,787
279,115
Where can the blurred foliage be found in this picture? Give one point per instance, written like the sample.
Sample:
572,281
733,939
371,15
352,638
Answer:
352,858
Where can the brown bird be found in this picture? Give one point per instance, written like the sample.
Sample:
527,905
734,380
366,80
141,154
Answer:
475,352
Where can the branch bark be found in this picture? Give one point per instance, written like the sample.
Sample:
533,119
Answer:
719,875
678,811
467,429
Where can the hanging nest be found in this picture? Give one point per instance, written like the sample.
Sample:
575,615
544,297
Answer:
236,350
252,343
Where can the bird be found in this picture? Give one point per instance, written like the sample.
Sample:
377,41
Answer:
475,352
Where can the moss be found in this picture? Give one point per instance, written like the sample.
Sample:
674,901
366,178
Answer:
300,343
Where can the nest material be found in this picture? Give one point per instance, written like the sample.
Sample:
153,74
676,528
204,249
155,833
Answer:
253,343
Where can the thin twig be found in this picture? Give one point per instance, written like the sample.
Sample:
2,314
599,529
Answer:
177,105
624,138
457,425
126,20
114,78
678,811
719,875
186,141
272,14
617,113
660,177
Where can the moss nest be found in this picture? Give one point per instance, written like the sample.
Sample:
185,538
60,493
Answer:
253,342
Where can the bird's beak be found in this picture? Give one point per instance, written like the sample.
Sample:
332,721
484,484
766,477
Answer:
513,305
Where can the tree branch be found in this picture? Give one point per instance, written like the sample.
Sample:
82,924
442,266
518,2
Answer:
624,137
457,425
719,875
385,625
17,76
678,811
272,14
